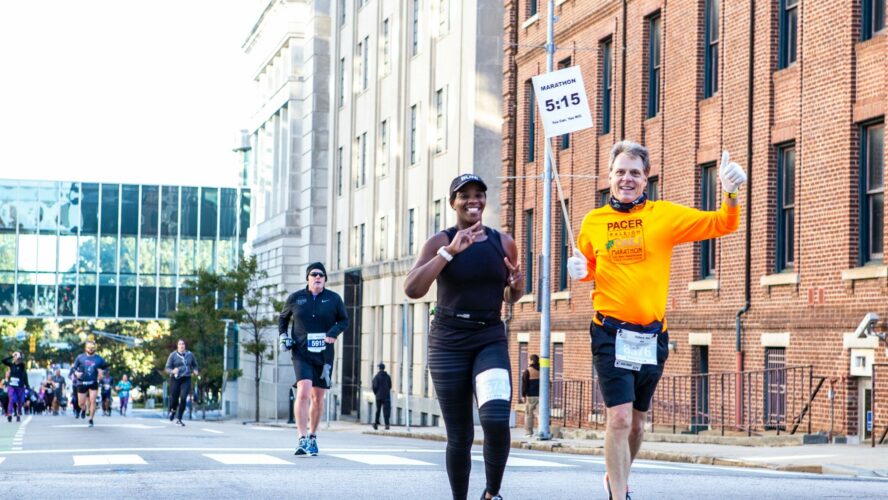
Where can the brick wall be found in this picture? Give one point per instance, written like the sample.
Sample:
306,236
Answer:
818,104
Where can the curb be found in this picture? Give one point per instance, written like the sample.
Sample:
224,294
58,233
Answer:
556,446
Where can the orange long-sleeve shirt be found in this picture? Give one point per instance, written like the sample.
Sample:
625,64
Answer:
630,254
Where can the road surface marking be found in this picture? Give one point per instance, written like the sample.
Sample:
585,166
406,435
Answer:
108,460
272,429
246,459
216,449
126,426
2,459
785,457
369,459
214,431
526,462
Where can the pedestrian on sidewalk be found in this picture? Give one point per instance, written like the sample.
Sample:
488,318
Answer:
476,269
181,365
318,316
530,392
626,247
16,385
382,389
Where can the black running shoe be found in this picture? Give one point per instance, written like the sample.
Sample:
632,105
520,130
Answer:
179,422
91,422
172,415
9,418
18,418
494,497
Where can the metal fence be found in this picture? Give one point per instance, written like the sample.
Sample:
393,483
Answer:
776,399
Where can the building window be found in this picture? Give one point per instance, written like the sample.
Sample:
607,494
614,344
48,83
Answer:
365,63
564,143
361,176
607,72
411,228
523,361
789,28
415,48
531,122
557,375
785,207
342,82
359,56
439,217
528,250
653,188
604,197
872,17
386,39
440,121
708,198
653,86
383,148
339,172
342,4
872,193
532,8
338,249
413,119
443,17
565,249
710,58
363,243
381,243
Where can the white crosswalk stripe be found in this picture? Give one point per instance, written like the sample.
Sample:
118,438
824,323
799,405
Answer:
526,462
379,459
246,459
81,460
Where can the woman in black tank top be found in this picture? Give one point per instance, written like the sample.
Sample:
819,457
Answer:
476,269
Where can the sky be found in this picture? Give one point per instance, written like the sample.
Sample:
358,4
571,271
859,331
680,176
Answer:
130,91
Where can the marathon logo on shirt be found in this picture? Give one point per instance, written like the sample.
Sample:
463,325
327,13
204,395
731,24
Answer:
625,241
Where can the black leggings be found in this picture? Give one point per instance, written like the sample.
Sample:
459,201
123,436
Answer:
454,375
179,389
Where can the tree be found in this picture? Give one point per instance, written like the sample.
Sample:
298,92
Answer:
259,306
200,321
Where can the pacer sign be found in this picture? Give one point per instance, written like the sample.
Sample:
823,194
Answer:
561,98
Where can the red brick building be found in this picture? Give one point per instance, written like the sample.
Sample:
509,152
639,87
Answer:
796,91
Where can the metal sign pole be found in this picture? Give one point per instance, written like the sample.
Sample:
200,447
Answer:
405,361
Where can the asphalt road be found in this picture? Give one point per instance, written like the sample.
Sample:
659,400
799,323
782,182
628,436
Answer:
149,457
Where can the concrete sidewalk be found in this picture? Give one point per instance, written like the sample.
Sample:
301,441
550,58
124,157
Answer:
786,453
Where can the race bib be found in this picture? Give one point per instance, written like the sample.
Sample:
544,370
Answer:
14,381
107,387
634,349
315,342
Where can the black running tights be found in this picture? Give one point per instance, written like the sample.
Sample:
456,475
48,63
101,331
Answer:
179,389
454,375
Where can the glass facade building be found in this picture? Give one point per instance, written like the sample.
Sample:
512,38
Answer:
91,250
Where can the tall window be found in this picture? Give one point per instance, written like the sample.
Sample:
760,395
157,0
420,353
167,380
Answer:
342,82
564,143
872,193
386,40
603,197
443,17
413,119
342,4
365,63
339,172
353,246
789,28
411,228
359,55
439,217
528,250
532,7
653,86
872,18
383,148
653,188
558,375
607,84
380,242
338,249
362,245
785,207
710,57
361,175
564,250
531,122
415,48
708,199
440,122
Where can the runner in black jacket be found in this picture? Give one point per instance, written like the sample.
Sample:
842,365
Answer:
318,316
18,381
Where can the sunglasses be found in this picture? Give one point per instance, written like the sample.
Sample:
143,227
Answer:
316,274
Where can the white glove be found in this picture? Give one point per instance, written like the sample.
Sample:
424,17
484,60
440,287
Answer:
286,342
578,266
732,176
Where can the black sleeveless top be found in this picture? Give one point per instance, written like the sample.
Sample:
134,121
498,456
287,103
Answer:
470,295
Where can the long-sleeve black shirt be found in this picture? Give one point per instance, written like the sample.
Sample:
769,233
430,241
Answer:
311,318
382,386
530,382
18,375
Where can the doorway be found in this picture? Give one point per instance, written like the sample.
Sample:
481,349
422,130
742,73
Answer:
865,408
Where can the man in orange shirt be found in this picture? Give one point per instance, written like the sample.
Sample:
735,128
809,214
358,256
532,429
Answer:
626,247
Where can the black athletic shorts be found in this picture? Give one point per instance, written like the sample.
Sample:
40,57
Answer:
621,385
84,388
306,370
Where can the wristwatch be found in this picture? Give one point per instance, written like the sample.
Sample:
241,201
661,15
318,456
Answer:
445,254
732,195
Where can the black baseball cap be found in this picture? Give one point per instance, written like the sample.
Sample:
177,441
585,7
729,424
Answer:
315,265
463,179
